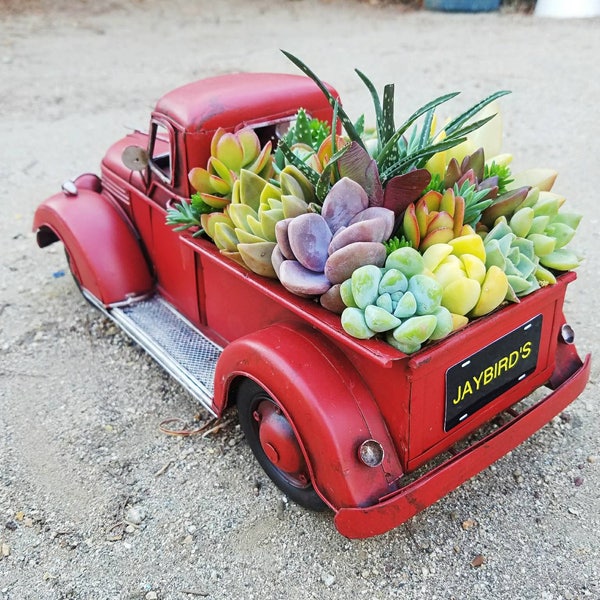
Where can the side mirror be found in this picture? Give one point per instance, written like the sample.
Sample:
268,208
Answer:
135,158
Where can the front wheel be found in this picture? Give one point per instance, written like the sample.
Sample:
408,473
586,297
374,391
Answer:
275,446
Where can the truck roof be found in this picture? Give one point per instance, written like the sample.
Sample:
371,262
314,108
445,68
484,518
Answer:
228,100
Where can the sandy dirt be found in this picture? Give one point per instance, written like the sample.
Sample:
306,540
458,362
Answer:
96,502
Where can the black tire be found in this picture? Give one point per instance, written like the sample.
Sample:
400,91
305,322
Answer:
255,408
75,276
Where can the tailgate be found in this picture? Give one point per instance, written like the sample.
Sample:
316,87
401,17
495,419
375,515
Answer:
464,381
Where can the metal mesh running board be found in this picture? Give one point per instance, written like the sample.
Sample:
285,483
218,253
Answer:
174,343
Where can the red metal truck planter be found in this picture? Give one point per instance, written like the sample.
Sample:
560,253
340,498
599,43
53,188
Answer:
334,421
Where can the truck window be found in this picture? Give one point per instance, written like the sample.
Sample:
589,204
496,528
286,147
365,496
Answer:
161,152
271,131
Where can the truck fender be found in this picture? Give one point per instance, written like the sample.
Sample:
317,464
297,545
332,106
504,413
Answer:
104,253
328,405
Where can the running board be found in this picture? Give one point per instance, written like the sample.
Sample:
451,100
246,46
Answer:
174,343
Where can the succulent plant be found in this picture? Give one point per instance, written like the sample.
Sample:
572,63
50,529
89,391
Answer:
305,138
245,230
516,257
318,251
400,301
470,287
393,153
229,154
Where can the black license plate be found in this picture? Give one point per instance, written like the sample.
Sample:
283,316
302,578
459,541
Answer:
477,380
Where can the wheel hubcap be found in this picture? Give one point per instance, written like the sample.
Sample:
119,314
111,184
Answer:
279,443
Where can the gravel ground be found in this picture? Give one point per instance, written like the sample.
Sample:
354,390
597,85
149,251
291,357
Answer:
96,502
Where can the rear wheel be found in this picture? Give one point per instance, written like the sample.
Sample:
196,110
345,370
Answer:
274,444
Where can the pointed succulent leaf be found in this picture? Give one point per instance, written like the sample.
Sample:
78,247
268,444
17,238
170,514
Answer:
452,174
239,214
218,134
258,258
255,227
442,220
387,113
426,130
262,161
347,123
419,158
229,151
290,185
543,244
308,190
217,202
219,169
199,178
436,236
392,141
270,192
274,203
457,122
459,215
504,205
448,201
568,218
224,237
376,105
250,145
311,174
525,248
303,133
219,186
410,226
357,165
268,221
209,222
248,237
251,188
561,259
544,276
403,190
292,206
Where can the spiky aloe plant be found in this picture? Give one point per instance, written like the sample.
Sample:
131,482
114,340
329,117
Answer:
309,132
394,154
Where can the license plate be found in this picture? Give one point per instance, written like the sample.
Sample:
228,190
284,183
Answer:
475,381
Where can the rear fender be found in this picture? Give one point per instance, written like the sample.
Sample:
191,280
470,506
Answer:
328,404
105,255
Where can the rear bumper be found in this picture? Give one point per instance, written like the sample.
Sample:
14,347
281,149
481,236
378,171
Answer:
397,508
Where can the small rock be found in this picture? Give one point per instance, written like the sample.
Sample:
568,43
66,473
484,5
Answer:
573,511
188,539
280,508
328,579
468,524
478,561
4,550
11,526
135,515
592,458
578,481
130,529
151,596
